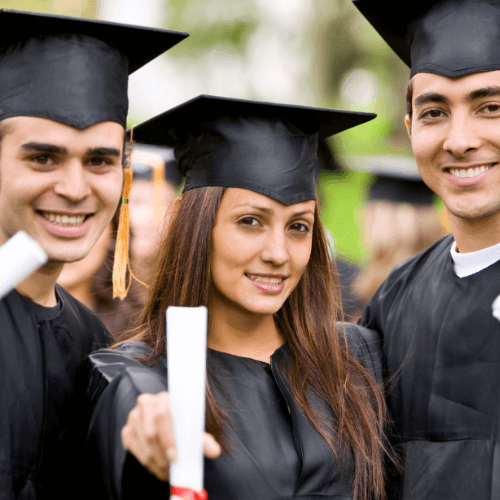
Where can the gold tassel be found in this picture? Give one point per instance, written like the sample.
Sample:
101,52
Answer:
121,262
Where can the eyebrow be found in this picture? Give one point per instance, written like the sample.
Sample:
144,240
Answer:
492,91
103,151
270,211
43,147
430,97
52,148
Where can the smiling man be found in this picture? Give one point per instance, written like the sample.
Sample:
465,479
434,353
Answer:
434,313
63,107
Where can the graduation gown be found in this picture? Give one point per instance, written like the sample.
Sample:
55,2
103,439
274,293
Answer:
40,397
441,347
275,452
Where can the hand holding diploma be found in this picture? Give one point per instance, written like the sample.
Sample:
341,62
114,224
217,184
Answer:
149,433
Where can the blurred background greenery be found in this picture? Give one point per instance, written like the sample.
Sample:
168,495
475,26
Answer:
310,52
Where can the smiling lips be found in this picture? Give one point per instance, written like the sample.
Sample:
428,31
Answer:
471,171
269,283
64,220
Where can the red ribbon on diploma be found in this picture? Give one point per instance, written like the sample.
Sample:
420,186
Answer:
188,493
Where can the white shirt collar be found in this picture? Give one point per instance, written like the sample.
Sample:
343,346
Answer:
466,264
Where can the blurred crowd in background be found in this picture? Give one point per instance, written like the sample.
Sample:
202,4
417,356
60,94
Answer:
310,52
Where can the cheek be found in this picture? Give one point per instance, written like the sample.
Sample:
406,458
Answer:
109,190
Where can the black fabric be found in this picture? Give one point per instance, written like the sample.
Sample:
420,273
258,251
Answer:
42,402
347,272
69,70
264,147
42,313
276,453
441,348
450,38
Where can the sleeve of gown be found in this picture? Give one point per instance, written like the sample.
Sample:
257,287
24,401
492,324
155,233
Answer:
367,348
114,381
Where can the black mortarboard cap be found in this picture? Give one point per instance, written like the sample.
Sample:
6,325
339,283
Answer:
265,147
396,179
73,71
450,38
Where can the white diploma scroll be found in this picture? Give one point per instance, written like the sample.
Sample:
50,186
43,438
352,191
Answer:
20,256
186,363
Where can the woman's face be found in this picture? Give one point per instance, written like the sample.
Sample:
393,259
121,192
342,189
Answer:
260,250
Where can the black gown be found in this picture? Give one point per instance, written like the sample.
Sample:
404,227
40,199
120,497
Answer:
41,433
441,345
276,453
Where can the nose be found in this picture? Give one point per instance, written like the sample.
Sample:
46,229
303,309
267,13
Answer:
275,250
461,137
72,182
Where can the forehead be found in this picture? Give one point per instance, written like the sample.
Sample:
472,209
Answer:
28,129
235,198
453,88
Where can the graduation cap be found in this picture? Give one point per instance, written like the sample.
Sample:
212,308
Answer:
450,38
73,71
264,147
397,179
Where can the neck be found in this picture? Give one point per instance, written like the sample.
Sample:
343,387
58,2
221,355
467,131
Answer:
82,291
40,286
242,333
472,235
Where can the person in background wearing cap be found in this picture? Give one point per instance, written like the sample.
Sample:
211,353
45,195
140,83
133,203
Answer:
441,340
153,192
399,221
248,216
63,107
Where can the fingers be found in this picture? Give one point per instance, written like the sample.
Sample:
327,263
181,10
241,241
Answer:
149,436
211,448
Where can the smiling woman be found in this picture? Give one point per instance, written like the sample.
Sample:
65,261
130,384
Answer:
291,394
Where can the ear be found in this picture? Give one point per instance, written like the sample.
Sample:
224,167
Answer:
408,125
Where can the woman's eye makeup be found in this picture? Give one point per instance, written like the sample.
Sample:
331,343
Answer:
248,221
300,227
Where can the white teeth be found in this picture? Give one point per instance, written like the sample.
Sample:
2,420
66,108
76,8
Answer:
469,172
64,220
264,279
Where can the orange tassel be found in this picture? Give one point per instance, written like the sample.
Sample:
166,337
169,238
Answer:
121,262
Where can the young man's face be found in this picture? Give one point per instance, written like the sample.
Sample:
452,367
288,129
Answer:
455,135
59,184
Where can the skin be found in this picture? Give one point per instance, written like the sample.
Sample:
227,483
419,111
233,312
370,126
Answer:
456,124
46,166
76,277
146,219
253,234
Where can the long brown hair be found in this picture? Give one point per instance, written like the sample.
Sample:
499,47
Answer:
307,320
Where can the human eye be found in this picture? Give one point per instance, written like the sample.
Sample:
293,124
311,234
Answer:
249,221
99,161
431,114
300,227
491,108
42,160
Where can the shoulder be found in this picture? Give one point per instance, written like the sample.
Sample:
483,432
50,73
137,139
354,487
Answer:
364,345
408,269
402,277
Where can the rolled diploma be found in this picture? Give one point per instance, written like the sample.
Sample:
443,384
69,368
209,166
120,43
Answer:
20,256
186,364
